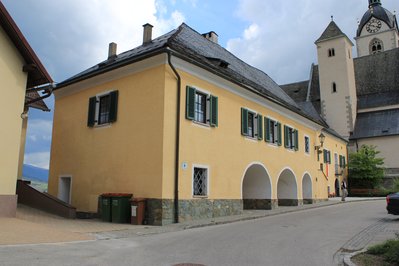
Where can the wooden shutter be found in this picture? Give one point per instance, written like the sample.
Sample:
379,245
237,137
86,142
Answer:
190,102
286,131
343,162
214,111
113,111
340,161
244,121
296,146
325,156
91,119
267,130
260,126
279,137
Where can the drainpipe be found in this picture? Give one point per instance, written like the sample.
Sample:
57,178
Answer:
177,155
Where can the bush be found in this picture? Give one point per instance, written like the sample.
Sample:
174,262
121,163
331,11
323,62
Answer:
388,250
396,184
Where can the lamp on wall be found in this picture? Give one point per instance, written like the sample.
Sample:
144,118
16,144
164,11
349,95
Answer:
321,139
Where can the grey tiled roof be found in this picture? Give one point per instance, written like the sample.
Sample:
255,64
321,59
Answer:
332,31
195,48
297,91
378,99
376,124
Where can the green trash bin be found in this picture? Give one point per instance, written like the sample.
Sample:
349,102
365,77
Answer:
120,208
106,208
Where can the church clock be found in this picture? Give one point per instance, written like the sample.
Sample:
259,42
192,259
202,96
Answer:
373,25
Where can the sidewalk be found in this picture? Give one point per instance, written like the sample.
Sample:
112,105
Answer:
33,226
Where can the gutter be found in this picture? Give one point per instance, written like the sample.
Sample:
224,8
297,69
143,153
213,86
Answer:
177,148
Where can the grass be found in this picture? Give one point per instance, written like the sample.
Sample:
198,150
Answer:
385,254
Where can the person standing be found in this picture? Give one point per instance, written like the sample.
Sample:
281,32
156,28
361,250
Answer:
344,190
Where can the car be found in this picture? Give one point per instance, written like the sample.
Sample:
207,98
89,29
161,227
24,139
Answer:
393,204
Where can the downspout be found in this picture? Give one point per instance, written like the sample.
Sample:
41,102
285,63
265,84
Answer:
177,155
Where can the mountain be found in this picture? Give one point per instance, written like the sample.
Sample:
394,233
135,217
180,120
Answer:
31,172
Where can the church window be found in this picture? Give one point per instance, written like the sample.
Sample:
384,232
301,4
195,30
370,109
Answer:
376,46
331,52
334,87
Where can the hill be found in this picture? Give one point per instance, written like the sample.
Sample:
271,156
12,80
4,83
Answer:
34,173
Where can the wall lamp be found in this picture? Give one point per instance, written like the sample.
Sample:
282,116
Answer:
321,139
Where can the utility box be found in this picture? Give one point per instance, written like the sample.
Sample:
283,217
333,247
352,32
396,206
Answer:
138,211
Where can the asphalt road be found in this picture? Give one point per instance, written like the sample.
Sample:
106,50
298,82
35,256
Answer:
310,237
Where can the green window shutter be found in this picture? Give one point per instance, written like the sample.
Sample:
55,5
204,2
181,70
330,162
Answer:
214,111
190,102
279,137
324,156
260,127
267,129
91,120
286,130
244,121
296,140
113,112
343,162
340,161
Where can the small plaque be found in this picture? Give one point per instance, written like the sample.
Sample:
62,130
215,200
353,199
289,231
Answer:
184,165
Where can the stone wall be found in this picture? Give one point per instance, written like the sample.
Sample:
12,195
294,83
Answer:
161,211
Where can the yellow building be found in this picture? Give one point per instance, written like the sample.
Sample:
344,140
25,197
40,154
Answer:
21,74
184,123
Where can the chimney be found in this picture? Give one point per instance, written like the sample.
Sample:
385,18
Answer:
112,50
147,33
212,36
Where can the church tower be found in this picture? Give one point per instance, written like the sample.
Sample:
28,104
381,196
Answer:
337,80
377,31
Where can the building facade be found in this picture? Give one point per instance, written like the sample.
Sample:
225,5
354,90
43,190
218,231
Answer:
358,97
184,123
21,71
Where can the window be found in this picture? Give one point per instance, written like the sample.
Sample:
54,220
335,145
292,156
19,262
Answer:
376,46
290,138
307,144
272,131
336,164
327,156
201,107
102,109
342,161
334,87
331,52
200,182
251,124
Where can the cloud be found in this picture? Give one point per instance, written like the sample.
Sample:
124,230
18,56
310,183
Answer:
279,38
77,33
38,159
39,130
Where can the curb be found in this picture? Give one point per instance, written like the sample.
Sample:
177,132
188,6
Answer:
347,257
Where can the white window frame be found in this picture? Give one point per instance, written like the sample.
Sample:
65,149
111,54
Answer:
70,188
255,120
308,138
274,142
207,107
206,167
292,146
97,113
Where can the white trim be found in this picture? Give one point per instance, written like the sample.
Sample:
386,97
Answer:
267,172
70,188
296,181
207,180
243,92
382,108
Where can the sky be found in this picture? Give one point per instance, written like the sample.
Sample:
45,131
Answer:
277,37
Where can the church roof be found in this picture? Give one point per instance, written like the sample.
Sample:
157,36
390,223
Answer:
331,32
378,12
376,124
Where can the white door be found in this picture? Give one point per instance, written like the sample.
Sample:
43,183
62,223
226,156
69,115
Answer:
64,189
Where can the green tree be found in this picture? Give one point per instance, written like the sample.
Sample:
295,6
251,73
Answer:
365,169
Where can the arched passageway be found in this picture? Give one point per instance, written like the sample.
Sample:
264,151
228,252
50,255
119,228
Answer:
307,194
256,188
287,192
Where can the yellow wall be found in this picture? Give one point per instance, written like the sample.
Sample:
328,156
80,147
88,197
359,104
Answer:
136,154
13,87
123,157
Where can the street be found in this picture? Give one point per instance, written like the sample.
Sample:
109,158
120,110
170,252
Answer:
309,237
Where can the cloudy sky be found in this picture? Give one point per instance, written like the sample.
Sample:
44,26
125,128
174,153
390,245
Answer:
275,36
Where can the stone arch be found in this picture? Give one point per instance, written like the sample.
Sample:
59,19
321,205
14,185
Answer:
307,189
256,188
287,189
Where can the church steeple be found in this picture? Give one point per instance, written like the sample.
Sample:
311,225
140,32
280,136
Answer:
374,3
